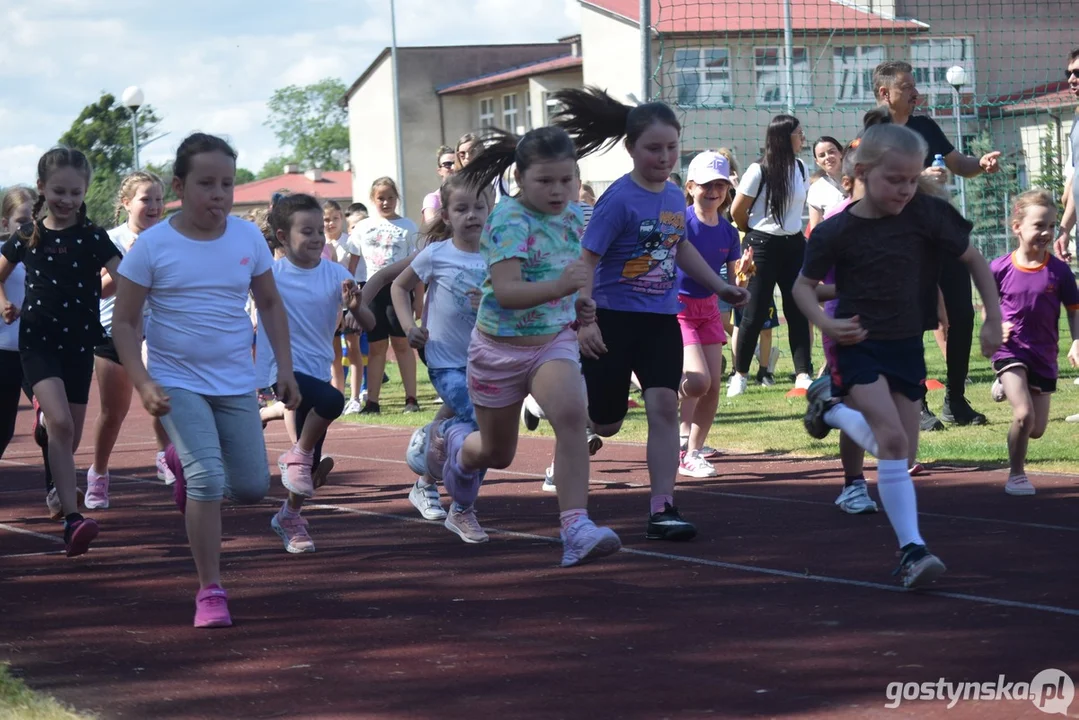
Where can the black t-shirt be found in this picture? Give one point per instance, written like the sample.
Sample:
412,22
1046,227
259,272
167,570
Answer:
886,269
61,311
938,142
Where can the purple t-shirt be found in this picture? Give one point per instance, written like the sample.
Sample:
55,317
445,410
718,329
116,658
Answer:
636,232
717,244
1031,300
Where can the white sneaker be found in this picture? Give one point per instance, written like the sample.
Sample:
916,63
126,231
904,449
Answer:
585,542
737,385
97,490
1072,418
425,499
352,407
548,479
1019,485
855,499
163,472
695,466
802,382
997,391
416,454
1077,381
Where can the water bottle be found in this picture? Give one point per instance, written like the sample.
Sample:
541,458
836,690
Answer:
938,161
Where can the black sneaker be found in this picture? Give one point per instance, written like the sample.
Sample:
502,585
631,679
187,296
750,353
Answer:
41,435
929,421
669,525
918,566
595,443
819,395
411,405
765,378
959,412
371,408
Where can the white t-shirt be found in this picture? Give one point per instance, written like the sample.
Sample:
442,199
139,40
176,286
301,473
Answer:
122,237
382,242
449,274
312,298
198,336
759,216
824,194
15,289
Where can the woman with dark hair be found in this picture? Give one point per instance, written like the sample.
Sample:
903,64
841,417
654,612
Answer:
768,207
826,192
447,165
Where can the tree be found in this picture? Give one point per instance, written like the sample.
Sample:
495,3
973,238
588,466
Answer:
988,198
274,166
103,132
1051,177
243,175
310,121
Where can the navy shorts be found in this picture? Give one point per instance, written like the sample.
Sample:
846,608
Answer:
900,362
1038,384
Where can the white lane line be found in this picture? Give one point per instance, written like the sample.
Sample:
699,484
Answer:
31,533
790,575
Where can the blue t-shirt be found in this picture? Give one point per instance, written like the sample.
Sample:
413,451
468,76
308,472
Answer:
717,244
636,232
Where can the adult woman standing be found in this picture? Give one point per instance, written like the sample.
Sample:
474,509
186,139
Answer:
447,165
826,192
768,206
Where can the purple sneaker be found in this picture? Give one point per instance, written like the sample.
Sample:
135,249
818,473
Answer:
78,536
179,487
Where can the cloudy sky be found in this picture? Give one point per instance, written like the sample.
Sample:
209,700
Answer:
211,64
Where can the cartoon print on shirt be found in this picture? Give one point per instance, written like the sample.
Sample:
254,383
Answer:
651,269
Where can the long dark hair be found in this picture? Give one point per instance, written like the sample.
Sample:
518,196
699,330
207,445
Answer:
595,120
502,149
778,164
50,162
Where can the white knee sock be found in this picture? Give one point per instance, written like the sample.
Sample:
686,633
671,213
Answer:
897,494
854,425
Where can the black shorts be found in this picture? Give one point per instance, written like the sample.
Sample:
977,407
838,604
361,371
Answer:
1038,384
900,362
75,370
648,344
107,351
386,323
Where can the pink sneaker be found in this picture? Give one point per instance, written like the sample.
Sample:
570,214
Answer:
97,490
163,472
212,608
79,535
179,487
292,529
295,469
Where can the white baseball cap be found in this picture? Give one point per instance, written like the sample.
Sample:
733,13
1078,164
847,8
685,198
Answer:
708,166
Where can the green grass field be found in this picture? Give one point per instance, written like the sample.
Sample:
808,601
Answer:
18,702
765,420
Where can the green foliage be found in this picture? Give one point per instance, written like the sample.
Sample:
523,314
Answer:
243,175
311,123
103,132
164,171
1051,177
274,166
988,197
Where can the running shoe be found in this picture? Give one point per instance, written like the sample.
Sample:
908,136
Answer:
212,608
737,385
52,501
321,474
163,472
585,542
548,480
411,405
855,500
819,395
997,391
669,525
595,443
918,567
425,499
531,413
1019,485
292,529
97,490
465,524
416,454
295,470
958,411
78,535
41,434
352,407
695,466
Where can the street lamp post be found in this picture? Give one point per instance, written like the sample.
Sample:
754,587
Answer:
133,100
957,78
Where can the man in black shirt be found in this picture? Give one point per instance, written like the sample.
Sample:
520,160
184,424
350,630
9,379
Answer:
894,86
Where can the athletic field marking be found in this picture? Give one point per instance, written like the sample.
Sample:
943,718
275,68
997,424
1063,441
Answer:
31,533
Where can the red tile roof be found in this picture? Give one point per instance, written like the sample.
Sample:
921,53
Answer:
1047,96
566,62
755,16
335,184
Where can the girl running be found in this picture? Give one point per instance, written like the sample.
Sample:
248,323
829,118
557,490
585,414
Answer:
703,337
524,340
885,249
63,255
16,210
337,242
196,270
1033,286
313,291
381,241
634,243
452,268
141,199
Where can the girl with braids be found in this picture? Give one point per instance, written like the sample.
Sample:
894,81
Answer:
196,270
633,246
141,199
768,206
63,255
524,340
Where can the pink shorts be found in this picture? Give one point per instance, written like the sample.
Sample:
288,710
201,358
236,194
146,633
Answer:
499,374
701,321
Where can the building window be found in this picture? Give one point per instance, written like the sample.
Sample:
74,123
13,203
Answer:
931,59
509,112
528,110
487,112
770,68
852,68
551,107
702,77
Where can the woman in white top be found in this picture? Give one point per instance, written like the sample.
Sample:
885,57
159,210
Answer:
432,201
768,207
826,192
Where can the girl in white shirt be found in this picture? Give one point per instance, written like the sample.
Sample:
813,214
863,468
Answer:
382,240
16,210
196,270
453,270
142,200
826,192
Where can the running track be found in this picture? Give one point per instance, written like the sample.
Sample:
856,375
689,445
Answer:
782,607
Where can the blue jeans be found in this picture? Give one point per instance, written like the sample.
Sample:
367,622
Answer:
218,439
451,384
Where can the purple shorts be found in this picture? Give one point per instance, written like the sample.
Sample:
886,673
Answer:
499,374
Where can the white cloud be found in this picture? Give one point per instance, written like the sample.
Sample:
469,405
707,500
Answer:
216,76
